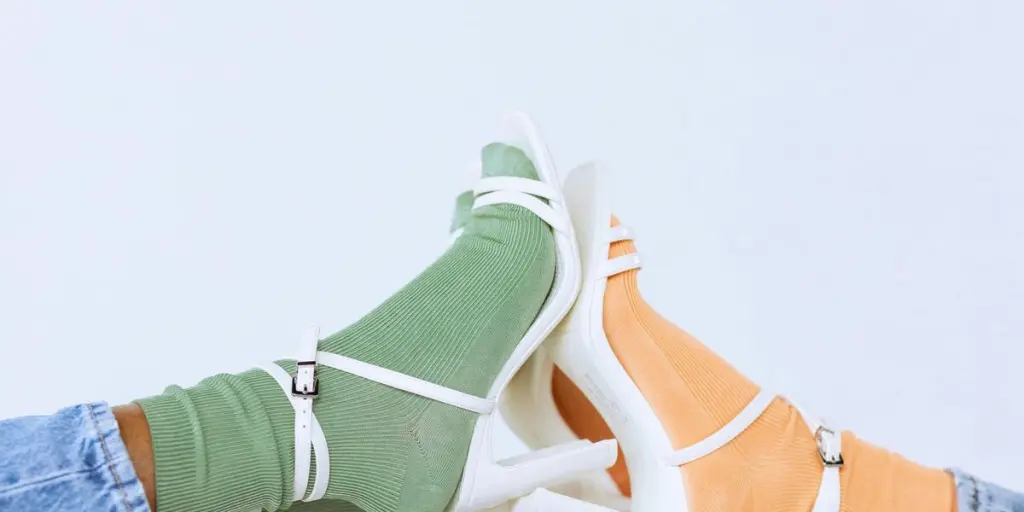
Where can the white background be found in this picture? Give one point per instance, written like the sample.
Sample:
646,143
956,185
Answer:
828,193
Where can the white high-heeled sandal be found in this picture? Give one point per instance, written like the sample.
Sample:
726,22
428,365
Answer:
485,482
528,407
580,348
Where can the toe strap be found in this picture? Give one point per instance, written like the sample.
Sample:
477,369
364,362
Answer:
623,263
829,443
620,233
514,183
529,194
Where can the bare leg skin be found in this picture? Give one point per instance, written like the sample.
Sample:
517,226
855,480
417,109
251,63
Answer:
135,433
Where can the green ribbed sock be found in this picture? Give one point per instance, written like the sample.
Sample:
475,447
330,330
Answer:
226,444
460,217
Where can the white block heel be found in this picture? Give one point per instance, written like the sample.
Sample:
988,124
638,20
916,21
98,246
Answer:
528,407
493,482
485,482
543,500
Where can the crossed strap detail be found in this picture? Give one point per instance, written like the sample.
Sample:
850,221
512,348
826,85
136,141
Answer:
303,388
829,442
530,194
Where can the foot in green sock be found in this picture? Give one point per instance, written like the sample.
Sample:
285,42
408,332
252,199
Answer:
460,217
227,443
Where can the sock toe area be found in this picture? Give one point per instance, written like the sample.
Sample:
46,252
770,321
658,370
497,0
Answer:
503,160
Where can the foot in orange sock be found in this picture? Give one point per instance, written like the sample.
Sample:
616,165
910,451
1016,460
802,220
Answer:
774,464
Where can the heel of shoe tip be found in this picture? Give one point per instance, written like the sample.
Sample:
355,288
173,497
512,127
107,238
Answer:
518,476
543,500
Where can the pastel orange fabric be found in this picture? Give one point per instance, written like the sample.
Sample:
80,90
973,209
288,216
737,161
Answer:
773,465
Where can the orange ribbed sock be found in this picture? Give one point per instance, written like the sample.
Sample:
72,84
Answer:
774,464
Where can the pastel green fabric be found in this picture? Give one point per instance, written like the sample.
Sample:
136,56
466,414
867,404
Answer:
226,444
463,209
460,217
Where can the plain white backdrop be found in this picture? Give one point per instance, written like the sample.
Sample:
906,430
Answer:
828,193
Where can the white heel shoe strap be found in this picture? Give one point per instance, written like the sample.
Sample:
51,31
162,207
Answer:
622,264
620,234
526,186
406,383
724,435
558,222
625,262
829,442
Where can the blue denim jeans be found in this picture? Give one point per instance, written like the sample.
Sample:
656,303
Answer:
975,495
75,460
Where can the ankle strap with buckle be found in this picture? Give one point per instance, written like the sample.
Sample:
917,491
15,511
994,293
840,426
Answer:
301,389
304,387
830,450
829,443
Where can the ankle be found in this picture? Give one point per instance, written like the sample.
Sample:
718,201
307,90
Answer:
218,445
131,422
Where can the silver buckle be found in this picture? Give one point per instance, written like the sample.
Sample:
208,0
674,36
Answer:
825,438
306,391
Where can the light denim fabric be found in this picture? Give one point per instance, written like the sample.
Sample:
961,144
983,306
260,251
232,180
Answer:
73,460
973,495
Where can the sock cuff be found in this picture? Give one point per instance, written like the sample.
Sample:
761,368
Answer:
214,447
174,448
